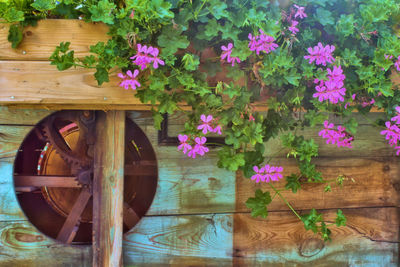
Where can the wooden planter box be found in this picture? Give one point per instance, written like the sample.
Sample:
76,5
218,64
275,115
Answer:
198,217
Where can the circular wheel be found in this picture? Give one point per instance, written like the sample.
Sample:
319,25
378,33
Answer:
52,177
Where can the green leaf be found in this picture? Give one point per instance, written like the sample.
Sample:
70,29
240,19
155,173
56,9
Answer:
157,118
345,25
230,159
218,8
13,15
101,75
328,188
340,218
324,17
351,125
190,62
44,5
293,183
258,204
103,11
293,77
311,219
62,58
15,35
171,40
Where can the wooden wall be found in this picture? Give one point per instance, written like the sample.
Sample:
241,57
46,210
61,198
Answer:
198,216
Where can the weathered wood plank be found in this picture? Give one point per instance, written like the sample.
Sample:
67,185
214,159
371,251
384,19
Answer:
108,189
39,42
377,184
28,83
21,116
11,138
371,238
22,245
162,240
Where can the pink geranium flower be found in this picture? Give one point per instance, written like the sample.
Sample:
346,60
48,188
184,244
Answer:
183,139
396,118
338,137
129,80
320,54
397,63
267,173
293,28
145,56
199,147
206,125
262,42
259,176
332,89
226,54
300,12
392,133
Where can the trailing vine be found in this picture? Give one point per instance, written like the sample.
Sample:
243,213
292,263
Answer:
305,60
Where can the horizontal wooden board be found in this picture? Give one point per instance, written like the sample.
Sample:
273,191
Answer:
371,238
22,245
161,240
376,184
29,83
40,42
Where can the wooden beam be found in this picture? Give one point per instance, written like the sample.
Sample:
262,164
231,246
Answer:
108,189
44,180
40,42
71,224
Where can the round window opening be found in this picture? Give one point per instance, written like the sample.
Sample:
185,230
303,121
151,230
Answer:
54,165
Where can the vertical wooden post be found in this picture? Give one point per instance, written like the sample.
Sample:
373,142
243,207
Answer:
108,189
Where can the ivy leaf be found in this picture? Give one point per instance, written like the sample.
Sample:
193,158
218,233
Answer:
345,25
351,125
102,11
311,219
258,204
324,17
229,159
293,77
14,15
162,9
171,40
101,75
65,60
211,29
190,62
340,218
44,5
292,182
351,58
218,8
15,35
157,118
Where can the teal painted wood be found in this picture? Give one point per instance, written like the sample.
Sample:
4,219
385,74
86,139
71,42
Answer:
9,207
22,246
164,239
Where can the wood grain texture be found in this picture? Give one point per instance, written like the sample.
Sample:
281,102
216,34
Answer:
29,83
371,238
23,246
203,240
376,184
21,116
39,42
108,189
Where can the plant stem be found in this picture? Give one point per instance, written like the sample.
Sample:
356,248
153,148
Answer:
286,202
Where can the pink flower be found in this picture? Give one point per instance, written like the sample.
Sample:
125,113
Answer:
262,42
145,56
205,126
183,139
397,63
227,51
338,137
396,118
392,133
129,80
259,176
199,147
331,89
293,28
217,130
267,173
320,54
300,12
132,15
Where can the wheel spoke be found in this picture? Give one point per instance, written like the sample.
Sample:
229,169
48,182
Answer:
44,180
71,224
130,216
